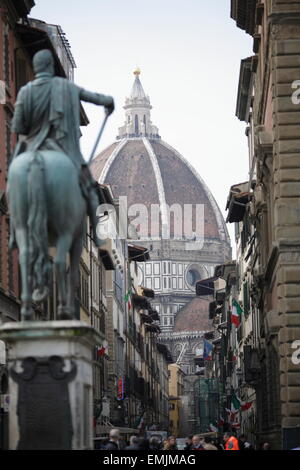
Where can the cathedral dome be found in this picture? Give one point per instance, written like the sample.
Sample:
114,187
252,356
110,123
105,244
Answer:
141,166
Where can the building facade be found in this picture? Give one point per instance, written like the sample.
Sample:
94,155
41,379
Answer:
176,394
259,357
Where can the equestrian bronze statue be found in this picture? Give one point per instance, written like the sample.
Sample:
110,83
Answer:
50,188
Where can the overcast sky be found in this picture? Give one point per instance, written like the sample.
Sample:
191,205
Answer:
189,54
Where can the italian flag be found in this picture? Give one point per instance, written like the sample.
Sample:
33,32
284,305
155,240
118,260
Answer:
246,405
127,298
236,425
236,313
235,403
101,351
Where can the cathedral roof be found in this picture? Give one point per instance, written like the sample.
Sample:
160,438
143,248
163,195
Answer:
143,167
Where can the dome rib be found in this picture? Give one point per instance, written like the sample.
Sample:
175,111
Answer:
160,186
110,160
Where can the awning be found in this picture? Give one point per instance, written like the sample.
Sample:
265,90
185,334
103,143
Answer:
106,260
162,348
205,286
154,315
238,198
140,301
106,194
152,328
148,292
223,270
243,12
146,318
23,7
237,206
138,253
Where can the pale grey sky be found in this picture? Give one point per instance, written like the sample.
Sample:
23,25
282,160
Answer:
189,54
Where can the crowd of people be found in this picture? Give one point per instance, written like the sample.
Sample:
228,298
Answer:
193,443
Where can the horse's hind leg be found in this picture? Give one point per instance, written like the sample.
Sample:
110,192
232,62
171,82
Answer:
22,241
73,280
62,248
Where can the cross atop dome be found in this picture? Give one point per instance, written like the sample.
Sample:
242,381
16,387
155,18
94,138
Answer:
137,113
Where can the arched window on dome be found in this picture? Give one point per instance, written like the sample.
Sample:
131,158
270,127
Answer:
136,124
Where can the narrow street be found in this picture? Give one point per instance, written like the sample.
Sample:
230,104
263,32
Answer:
149,227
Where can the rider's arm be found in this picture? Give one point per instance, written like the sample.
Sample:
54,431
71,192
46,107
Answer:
18,121
97,98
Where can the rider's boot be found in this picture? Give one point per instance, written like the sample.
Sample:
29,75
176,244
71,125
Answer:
92,196
93,204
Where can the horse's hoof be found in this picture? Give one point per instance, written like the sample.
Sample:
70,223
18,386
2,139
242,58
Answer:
64,314
27,316
39,296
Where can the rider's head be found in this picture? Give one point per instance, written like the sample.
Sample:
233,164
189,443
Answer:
43,62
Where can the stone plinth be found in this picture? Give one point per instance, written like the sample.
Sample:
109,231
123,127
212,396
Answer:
50,384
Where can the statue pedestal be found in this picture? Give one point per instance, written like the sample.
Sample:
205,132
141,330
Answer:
50,384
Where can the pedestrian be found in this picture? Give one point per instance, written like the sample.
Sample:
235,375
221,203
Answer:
266,446
134,443
189,443
114,440
170,443
154,443
143,444
196,443
244,444
231,442
208,444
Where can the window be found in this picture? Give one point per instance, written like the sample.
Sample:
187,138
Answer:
136,124
6,56
246,299
84,288
10,272
156,268
148,269
8,138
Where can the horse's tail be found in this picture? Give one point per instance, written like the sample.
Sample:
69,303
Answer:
37,224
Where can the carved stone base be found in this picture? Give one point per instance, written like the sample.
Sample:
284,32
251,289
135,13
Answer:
50,384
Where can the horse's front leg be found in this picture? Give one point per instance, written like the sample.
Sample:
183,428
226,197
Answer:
62,248
75,254
26,293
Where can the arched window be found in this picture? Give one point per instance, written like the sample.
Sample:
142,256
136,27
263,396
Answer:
136,124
